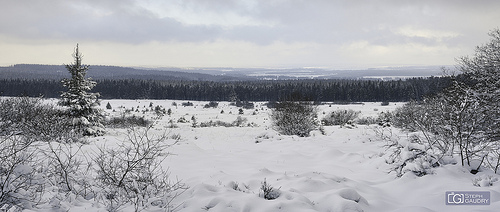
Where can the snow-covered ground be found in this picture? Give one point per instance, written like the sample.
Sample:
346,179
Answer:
344,170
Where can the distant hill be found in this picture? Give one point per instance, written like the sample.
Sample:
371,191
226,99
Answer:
34,71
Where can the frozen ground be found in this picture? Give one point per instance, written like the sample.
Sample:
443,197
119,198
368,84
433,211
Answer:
344,170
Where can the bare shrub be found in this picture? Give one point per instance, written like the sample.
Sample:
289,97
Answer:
67,169
217,123
294,118
239,122
33,119
462,120
21,182
384,119
340,117
366,121
125,121
493,159
132,173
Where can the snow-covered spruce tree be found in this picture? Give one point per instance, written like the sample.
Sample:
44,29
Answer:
87,118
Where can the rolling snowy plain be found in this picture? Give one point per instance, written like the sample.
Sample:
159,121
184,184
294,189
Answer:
343,169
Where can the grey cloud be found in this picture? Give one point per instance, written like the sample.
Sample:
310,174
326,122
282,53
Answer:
95,20
321,21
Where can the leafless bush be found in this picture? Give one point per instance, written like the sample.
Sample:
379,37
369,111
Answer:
125,121
132,173
294,118
239,122
21,182
493,159
340,117
33,119
215,124
366,121
67,168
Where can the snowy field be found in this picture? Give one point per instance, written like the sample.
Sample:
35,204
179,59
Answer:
343,170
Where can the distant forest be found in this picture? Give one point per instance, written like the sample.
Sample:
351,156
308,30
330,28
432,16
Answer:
328,90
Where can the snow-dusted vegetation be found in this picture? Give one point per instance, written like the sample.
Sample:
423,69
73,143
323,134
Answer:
174,164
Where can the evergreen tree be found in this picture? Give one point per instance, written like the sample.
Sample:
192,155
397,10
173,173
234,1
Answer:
82,104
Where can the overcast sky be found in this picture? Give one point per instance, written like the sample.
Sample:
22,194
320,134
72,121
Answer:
245,33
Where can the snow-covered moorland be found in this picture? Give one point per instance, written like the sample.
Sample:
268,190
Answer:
339,169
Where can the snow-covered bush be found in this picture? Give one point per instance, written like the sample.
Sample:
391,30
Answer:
217,123
21,180
411,156
182,119
367,121
66,169
448,124
187,104
268,192
483,68
132,173
267,136
294,118
243,104
340,117
125,121
463,120
211,104
385,119
33,119
484,181
239,122
160,111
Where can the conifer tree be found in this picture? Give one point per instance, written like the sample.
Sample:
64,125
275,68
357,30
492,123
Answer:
82,104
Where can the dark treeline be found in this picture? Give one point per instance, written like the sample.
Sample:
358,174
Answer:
336,90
